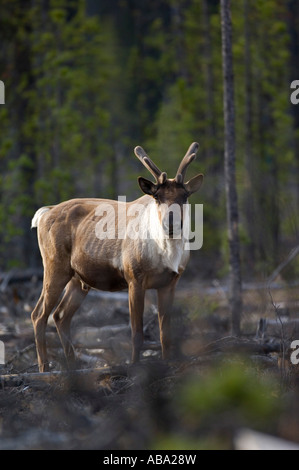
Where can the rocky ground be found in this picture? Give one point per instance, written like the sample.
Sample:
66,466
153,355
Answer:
216,385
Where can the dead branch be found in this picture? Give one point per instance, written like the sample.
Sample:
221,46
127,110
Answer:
293,253
17,276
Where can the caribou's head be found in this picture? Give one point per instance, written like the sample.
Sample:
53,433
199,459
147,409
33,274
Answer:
170,194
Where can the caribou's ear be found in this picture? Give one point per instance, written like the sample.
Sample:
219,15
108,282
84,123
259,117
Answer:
194,184
147,186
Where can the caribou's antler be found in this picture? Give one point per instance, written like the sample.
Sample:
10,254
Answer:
150,165
188,158
157,173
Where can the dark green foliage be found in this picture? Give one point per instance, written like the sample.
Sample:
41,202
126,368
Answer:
87,81
211,407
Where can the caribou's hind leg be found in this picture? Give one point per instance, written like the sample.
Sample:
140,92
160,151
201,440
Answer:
74,295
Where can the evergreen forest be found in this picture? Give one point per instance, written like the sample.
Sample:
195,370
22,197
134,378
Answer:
86,81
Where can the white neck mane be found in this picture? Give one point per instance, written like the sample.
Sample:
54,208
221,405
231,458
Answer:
170,252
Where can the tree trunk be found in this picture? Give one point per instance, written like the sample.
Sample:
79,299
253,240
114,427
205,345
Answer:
235,285
293,23
177,20
249,202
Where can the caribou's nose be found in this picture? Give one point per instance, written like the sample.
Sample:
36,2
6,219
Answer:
168,223
172,226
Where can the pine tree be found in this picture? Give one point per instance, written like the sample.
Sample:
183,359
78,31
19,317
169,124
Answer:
235,296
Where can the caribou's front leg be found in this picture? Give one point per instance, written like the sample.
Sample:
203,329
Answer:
136,305
165,302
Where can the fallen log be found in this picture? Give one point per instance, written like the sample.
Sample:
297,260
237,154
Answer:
278,327
92,338
246,345
65,377
19,276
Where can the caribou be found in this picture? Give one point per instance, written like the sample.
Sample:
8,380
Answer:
77,256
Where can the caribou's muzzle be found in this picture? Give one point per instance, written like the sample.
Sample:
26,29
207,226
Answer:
173,223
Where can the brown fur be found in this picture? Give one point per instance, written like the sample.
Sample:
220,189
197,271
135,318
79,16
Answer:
76,260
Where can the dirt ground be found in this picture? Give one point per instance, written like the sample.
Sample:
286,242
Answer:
216,385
